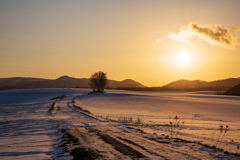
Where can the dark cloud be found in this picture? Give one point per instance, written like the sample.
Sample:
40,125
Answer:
216,33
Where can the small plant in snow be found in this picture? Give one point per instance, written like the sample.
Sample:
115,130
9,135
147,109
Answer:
125,119
179,126
171,124
138,120
129,120
175,126
222,130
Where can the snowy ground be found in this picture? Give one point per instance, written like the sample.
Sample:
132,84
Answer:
117,125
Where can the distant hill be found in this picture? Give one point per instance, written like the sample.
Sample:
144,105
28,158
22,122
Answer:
62,82
127,83
70,82
187,84
224,84
234,90
18,82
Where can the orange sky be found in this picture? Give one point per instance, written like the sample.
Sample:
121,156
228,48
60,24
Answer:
140,40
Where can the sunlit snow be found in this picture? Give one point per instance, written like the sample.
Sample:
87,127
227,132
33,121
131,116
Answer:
34,125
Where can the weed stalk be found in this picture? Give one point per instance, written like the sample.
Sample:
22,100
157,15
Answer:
225,131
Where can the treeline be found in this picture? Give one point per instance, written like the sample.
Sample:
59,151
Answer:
234,91
175,89
228,93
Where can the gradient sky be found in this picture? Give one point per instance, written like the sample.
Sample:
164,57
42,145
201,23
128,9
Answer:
136,39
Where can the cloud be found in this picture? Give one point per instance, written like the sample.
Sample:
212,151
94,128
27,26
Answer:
236,28
214,35
183,35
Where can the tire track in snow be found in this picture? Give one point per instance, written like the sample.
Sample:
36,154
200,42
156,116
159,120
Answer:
192,150
162,144
143,148
121,147
72,145
52,107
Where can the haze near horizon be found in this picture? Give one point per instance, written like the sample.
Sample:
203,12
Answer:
152,42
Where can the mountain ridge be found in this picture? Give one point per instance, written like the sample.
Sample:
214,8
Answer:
61,82
222,84
71,82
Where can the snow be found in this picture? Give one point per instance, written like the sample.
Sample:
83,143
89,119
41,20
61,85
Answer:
33,95
35,127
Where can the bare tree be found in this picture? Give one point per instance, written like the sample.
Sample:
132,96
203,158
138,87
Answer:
98,81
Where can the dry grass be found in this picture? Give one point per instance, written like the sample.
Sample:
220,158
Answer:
129,120
176,126
222,133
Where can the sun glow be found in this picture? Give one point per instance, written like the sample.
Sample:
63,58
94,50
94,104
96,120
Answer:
183,58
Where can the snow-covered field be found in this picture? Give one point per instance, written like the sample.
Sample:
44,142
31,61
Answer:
117,125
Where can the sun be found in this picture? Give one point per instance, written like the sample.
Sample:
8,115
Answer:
183,58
